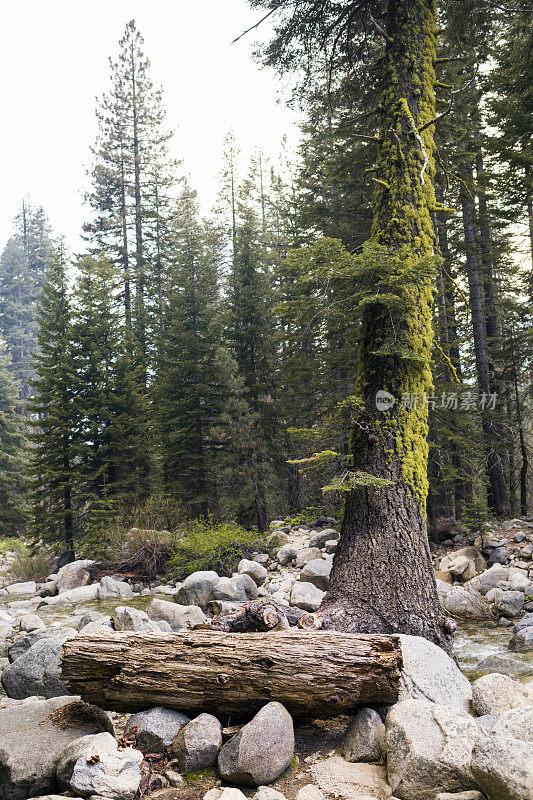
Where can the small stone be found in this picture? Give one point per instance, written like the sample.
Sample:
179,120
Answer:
471,795
262,749
104,769
73,575
156,728
132,619
266,793
197,589
197,744
238,588
500,555
364,739
509,603
177,616
110,588
305,555
310,792
25,587
306,596
317,572
254,570
286,554
31,622
319,539
522,642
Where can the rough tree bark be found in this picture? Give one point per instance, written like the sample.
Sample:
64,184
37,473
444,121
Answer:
311,673
382,577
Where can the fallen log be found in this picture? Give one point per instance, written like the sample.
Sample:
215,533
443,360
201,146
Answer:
313,673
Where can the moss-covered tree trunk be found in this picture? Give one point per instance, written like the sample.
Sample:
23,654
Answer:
382,577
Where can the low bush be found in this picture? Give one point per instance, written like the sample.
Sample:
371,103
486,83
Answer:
29,564
137,541
207,545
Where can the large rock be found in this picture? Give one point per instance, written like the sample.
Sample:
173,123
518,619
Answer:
471,553
236,589
503,768
463,602
495,694
197,744
305,555
262,749
132,619
306,596
106,770
31,622
506,664
429,748
109,588
84,594
317,572
32,737
462,567
516,724
156,728
489,579
197,589
428,673
522,642
287,554
254,570
319,539
73,575
500,555
37,672
507,604
25,587
177,616
364,739
351,780
23,643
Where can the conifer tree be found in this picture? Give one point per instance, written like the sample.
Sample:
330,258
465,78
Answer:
111,438
132,178
253,346
188,385
13,502
52,465
22,268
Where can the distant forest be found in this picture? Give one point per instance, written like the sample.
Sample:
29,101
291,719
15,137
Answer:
211,363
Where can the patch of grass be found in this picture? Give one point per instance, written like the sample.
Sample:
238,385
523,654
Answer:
208,545
199,775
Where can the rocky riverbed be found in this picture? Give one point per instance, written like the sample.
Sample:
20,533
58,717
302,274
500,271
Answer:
465,735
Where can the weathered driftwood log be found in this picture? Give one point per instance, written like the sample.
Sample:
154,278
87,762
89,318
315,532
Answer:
313,673
257,615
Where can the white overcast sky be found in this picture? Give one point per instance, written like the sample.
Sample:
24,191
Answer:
54,63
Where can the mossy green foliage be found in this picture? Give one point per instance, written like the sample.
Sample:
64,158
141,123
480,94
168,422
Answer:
207,545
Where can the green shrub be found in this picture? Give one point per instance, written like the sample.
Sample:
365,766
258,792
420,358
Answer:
136,541
29,564
8,545
218,546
